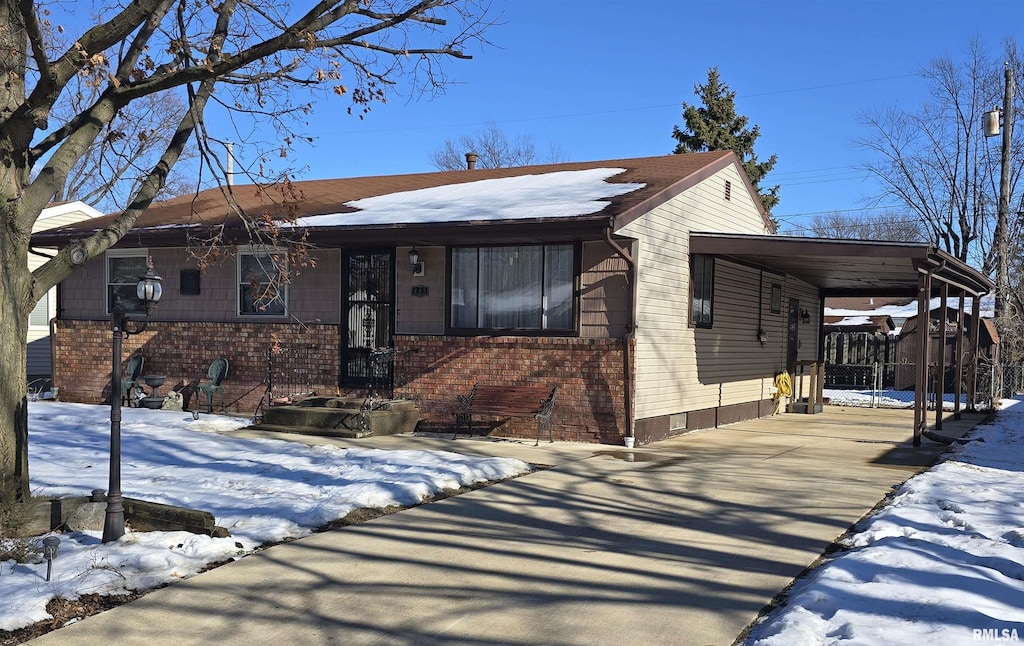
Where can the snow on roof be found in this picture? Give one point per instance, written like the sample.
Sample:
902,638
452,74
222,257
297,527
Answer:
853,320
549,195
906,311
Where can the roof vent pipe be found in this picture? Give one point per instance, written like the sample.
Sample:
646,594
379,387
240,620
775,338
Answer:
471,160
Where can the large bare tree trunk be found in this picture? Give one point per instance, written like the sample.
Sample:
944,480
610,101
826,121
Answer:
14,280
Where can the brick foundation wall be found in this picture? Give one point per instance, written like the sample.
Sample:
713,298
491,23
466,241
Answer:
307,358
589,406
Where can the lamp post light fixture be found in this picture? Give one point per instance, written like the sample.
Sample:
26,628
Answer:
123,324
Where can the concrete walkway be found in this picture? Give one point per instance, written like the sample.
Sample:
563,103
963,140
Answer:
679,543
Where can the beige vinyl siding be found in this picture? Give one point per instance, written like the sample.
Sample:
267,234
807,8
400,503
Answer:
704,208
680,368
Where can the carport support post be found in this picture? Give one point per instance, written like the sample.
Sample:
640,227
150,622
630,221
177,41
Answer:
958,358
940,359
924,289
975,331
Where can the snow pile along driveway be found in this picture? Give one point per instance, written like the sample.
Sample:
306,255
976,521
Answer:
942,564
260,490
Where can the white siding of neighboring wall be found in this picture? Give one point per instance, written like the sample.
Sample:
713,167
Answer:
681,368
39,335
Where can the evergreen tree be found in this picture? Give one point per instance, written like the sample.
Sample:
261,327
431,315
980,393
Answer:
716,126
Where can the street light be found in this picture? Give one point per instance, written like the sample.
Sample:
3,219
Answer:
124,324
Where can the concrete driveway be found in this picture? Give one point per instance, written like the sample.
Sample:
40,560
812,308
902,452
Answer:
683,542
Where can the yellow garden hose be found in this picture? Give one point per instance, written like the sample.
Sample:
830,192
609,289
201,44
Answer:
783,388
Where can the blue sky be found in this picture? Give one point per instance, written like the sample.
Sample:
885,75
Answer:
606,80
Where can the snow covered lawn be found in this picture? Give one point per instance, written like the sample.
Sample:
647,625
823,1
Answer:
260,490
943,563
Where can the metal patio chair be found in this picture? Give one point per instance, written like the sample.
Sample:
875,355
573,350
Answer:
214,383
132,377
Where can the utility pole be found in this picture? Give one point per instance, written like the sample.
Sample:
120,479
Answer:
1002,225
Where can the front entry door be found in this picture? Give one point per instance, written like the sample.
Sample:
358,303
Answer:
792,334
367,316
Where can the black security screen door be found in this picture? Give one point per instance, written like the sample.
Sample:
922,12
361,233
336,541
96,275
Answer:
367,316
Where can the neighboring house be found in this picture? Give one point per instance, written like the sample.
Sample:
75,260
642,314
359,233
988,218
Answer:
650,290
907,345
895,309
52,217
860,324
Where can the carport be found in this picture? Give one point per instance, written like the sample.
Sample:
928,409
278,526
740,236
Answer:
874,269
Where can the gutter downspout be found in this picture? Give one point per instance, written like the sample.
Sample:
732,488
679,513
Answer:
627,338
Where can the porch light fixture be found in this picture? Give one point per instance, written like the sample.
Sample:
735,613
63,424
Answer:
762,336
805,316
415,264
123,324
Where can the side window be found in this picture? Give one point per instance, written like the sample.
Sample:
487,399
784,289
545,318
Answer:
702,290
261,290
124,268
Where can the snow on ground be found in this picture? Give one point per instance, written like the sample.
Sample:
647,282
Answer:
882,398
943,563
260,490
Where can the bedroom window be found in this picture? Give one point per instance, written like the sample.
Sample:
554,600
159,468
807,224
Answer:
522,287
261,286
702,290
124,267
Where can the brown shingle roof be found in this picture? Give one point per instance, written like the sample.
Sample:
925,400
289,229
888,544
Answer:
662,177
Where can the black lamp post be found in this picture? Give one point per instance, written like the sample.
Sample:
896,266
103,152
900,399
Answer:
124,324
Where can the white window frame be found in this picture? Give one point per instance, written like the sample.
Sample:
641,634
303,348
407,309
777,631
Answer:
239,282
117,253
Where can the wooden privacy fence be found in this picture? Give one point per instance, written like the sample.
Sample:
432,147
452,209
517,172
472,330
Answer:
860,348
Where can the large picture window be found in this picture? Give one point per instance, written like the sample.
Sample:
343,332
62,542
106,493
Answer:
124,268
702,290
261,289
523,287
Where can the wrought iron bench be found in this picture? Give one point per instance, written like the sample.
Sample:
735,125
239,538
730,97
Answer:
507,401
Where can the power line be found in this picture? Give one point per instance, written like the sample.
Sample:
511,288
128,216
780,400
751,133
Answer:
866,208
573,115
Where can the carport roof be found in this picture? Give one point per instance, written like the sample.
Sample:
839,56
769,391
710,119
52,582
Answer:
846,267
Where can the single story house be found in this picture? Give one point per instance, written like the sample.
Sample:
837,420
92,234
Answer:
652,291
